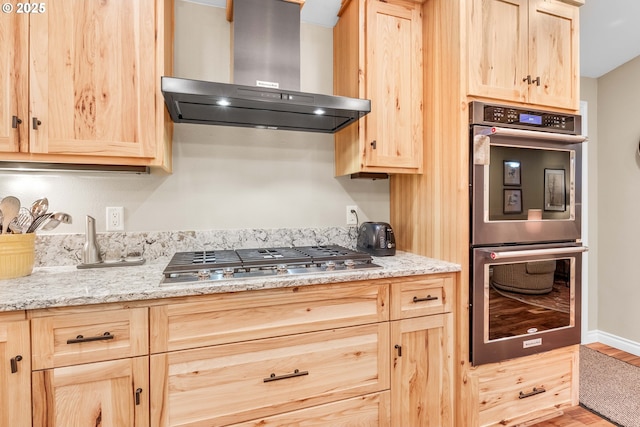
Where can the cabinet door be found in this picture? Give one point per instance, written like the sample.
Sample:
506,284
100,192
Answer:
497,49
14,33
422,371
553,53
15,372
92,78
394,85
113,393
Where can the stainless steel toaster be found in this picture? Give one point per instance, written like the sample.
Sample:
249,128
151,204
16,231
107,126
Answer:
376,238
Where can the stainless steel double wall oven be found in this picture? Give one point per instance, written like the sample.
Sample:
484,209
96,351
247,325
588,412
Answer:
525,248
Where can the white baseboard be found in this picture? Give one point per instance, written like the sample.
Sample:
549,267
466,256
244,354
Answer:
612,340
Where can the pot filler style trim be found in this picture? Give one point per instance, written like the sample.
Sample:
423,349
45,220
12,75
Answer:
265,92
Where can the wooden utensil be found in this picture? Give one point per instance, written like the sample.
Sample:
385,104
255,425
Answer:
10,206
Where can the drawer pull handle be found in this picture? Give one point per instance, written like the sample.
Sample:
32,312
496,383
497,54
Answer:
138,393
14,363
399,348
427,298
296,373
533,392
80,338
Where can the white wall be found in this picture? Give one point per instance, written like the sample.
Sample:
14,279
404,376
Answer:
618,181
223,178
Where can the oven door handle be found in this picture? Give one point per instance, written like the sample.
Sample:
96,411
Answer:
520,133
535,252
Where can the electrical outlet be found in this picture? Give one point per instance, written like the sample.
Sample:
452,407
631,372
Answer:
352,215
115,218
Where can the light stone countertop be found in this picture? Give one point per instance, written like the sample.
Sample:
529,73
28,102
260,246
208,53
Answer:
68,286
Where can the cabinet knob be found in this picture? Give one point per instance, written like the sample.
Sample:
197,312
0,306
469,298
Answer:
15,121
374,144
36,123
138,393
529,80
14,363
399,348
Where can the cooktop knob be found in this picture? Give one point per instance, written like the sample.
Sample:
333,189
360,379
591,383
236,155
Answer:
330,265
227,272
349,264
204,274
281,268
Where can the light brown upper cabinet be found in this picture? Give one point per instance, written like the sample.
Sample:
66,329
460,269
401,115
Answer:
14,83
378,56
80,83
524,51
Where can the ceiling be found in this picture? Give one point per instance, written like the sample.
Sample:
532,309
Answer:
609,35
609,31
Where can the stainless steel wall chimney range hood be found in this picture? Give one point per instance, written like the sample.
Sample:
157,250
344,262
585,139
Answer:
266,70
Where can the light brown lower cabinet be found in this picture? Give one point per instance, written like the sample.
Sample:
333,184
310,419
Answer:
375,353
15,371
520,390
227,384
114,393
369,353
422,371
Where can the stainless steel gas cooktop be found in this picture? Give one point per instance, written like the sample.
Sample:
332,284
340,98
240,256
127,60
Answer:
263,262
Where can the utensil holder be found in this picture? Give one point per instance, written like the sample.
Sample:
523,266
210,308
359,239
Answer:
17,255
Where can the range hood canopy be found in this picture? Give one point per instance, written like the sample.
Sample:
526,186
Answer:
269,104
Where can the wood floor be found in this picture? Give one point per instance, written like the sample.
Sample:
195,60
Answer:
580,417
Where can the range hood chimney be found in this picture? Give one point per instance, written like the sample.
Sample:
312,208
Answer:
266,74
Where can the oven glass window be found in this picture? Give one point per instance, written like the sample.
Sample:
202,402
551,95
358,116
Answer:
529,297
530,183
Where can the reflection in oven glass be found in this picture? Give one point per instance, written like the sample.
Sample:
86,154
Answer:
529,297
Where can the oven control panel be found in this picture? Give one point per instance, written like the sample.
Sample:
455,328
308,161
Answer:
521,118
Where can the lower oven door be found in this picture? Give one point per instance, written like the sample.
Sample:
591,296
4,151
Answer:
525,299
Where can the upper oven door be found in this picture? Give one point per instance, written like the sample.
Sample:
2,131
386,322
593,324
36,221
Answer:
525,186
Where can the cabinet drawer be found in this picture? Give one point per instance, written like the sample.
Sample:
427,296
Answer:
233,317
70,339
238,382
522,389
421,296
369,410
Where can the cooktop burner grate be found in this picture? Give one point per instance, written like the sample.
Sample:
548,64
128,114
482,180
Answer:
190,261
269,256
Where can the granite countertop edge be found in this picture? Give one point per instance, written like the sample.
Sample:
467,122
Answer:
49,287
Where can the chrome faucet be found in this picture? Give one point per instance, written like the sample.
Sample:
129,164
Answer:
91,257
91,250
